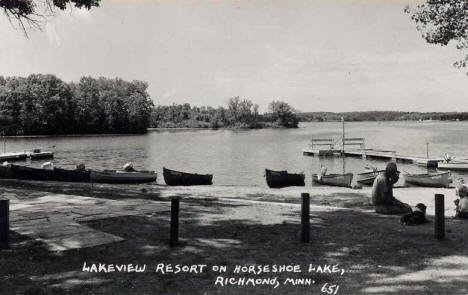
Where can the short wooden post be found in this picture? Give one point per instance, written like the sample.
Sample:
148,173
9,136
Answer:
305,217
174,235
439,222
4,223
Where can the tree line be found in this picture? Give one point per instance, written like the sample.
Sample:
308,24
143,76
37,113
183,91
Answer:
238,113
382,116
46,105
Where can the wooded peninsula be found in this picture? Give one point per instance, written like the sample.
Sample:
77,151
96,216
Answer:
46,105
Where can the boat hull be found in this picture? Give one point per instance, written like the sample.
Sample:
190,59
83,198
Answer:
41,155
429,180
71,175
279,179
31,173
366,178
343,180
123,177
175,178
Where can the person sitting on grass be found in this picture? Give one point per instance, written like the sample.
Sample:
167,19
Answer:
382,193
461,204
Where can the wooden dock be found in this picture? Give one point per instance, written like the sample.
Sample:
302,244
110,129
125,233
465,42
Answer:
13,156
22,156
374,154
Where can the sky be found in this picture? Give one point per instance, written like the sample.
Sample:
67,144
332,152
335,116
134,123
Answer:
317,55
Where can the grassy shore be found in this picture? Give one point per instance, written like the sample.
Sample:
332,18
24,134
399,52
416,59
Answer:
228,226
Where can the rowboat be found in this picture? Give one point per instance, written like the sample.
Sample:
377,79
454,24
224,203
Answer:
55,174
37,154
72,175
120,176
442,179
278,179
333,179
367,178
172,177
453,165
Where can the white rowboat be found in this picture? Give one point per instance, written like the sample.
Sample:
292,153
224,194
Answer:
117,176
333,179
442,179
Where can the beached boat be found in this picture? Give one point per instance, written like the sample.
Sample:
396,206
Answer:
172,177
277,179
121,176
367,178
333,179
442,179
37,154
55,174
454,165
72,175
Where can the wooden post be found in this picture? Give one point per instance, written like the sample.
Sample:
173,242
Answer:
305,217
439,222
4,223
343,139
4,141
174,235
427,150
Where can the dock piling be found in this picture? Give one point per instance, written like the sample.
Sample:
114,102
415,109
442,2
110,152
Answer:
174,232
4,223
439,221
305,218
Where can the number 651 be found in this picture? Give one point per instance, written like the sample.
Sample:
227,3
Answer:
330,289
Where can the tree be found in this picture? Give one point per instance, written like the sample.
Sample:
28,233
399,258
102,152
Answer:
283,114
442,22
26,11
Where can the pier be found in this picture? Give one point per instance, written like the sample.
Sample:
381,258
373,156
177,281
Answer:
374,154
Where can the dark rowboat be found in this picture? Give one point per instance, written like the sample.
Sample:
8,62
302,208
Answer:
278,179
55,174
172,177
37,154
71,175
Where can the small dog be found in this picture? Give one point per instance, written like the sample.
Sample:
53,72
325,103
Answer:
418,216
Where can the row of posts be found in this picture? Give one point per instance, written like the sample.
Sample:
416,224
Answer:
439,222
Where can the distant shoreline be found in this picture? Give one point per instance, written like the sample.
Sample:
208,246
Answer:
150,129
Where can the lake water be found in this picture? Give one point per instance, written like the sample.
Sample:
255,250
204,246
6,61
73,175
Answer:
239,157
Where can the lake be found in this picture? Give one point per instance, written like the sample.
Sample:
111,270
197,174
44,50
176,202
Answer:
239,157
